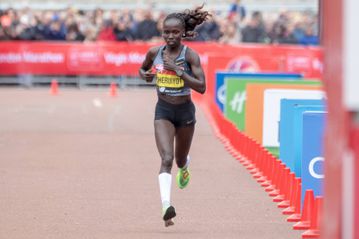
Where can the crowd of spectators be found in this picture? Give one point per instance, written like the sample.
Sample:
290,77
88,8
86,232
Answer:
232,26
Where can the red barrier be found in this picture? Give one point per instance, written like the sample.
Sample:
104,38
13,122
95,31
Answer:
266,179
287,191
284,178
315,219
337,121
256,161
120,58
355,145
278,181
304,223
273,189
296,216
273,174
293,197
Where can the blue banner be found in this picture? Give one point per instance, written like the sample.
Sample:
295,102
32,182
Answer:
286,127
296,164
312,158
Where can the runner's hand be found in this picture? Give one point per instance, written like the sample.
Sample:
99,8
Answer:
148,75
169,64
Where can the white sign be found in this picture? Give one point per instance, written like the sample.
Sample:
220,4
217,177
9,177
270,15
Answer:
351,55
271,111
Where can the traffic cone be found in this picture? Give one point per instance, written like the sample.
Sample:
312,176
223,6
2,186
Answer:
304,223
113,89
285,174
293,197
296,216
54,89
278,180
288,190
273,189
313,231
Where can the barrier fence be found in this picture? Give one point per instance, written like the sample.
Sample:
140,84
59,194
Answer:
270,172
299,196
104,58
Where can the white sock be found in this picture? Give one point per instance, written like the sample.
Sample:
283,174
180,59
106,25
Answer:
187,162
165,181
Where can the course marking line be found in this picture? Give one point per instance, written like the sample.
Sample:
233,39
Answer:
97,102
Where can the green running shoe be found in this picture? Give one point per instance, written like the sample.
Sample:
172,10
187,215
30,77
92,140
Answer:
182,178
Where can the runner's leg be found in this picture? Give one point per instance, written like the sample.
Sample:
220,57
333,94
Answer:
184,137
164,134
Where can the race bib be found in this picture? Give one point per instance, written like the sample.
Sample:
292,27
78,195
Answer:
169,80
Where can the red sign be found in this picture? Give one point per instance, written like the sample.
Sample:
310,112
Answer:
114,58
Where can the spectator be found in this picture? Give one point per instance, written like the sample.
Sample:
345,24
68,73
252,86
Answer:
3,34
123,32
231,34
90,33
6,19
106,32
280,34
145,25
54,31
147,28
237,10
298,31
73,33
208,31
309,37
254,31
160,20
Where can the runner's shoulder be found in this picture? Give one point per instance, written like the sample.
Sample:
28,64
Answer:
192,55
153,51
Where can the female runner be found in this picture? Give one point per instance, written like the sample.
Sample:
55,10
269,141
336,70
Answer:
176,69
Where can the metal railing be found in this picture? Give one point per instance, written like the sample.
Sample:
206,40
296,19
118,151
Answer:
76,81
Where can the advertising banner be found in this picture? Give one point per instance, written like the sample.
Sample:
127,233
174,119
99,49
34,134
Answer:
271,111
254,105
313,159
121,58
286,127
235,104
295,163
222,75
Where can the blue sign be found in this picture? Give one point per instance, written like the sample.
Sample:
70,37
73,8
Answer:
286,126
220,94
312,158
295,163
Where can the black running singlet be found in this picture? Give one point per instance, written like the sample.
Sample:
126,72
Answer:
168,82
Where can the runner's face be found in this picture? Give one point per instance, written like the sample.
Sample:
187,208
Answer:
172,32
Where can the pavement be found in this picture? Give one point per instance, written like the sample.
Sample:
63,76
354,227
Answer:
83,164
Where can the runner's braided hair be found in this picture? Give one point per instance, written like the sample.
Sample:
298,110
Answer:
190,19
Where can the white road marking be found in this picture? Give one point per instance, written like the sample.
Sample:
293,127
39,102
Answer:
97,102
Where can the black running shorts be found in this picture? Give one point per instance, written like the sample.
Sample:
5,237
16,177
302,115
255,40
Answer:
180,115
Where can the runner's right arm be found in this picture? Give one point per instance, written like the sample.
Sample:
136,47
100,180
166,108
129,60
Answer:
145,70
